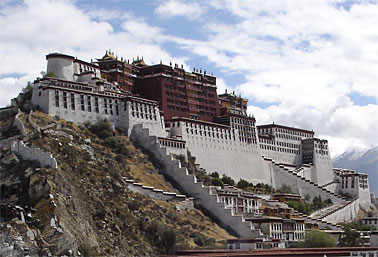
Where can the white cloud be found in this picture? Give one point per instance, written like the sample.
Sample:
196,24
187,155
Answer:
304,59
189,9
34,28
10,88
222,86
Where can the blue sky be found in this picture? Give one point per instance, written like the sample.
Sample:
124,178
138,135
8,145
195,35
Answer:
308,64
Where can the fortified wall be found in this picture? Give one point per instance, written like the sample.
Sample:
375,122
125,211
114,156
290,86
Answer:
219,148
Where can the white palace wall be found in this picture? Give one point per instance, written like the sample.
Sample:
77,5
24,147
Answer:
217,148
323,169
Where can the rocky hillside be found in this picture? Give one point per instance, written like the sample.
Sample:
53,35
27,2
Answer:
84,206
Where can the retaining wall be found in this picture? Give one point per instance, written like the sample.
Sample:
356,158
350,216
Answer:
34,154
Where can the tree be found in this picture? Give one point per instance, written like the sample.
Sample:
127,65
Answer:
214,174
228,180
216,182
317,203
300,206
349,237
242,184
285,189
319,239
328,201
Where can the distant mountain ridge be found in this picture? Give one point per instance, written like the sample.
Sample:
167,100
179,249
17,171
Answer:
366,162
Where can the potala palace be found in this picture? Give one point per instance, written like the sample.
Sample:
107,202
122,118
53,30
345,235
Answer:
170,111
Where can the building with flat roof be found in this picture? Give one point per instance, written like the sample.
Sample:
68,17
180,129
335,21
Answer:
179,93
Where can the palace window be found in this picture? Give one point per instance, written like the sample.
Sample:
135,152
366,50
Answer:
106,105
96,105
82,107
117,108
72,101
56,98
89,102
65,100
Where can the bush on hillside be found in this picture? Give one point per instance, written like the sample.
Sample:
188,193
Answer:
228,180
316,239
300,206
317,203
243,184
216,182
285,189
102,129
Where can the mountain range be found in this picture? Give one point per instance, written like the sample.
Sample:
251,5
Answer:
362,162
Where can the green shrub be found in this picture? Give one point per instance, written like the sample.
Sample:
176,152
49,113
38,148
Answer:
214,175
102,129
285,189
216,182
228,180
347,196
317,203
319,239
300,206
200,240
243,184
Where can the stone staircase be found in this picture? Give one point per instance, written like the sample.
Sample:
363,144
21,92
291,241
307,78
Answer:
322,224
319,214
188,184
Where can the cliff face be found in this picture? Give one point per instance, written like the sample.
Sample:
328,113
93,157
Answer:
84,206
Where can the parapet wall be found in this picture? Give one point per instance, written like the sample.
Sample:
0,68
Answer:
346,213
34,154
154,193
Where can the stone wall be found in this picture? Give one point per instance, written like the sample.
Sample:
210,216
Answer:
345,213
154,193
298,184
7,111
19,124
332,186
34,154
